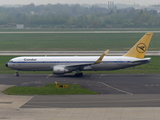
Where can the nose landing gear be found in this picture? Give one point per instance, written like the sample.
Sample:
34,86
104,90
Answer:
17,74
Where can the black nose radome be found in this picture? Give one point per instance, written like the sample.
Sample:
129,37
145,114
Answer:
6,64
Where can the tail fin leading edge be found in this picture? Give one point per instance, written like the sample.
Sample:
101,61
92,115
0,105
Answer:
140,48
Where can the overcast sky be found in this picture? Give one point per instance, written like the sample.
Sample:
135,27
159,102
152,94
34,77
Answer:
37,2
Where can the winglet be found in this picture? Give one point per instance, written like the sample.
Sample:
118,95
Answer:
140,48
101,57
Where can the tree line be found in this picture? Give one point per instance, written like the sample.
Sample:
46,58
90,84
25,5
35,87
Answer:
78,16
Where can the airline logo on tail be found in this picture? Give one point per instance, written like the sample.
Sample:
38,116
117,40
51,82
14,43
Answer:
141,48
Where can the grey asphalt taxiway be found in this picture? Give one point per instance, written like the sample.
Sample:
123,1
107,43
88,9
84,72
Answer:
115,90
122,97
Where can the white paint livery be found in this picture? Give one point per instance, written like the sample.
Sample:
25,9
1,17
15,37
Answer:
66,64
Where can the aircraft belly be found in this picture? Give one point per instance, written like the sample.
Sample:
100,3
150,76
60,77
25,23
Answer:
111,66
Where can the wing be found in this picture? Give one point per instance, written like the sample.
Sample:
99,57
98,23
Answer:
82,66
86,65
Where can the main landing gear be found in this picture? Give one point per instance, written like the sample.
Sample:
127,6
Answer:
78,74
17,74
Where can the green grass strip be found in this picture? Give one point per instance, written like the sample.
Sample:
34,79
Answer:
73,41
50,89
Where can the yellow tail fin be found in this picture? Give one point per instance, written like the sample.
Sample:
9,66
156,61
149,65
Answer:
140,48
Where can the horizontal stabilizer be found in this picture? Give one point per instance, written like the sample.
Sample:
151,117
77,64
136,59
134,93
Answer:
142,60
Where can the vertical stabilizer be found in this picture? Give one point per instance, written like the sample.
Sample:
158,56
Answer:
140,48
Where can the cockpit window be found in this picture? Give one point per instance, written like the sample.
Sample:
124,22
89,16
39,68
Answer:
11,61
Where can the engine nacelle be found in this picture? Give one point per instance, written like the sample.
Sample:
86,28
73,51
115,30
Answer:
59,70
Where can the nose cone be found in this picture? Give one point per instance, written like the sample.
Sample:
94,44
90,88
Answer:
6,64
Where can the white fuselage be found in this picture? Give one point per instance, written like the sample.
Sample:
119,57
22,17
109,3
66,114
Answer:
47,63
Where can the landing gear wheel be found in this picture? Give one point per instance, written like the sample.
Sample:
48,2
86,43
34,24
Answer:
17,74
79,74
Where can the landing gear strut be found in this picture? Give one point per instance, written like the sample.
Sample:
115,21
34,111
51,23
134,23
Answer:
17,74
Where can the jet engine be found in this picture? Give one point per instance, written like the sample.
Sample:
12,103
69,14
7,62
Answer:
59,70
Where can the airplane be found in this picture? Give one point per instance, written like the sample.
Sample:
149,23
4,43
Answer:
66,64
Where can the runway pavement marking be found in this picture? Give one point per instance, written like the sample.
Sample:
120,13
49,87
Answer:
49,75
116,89
101,75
